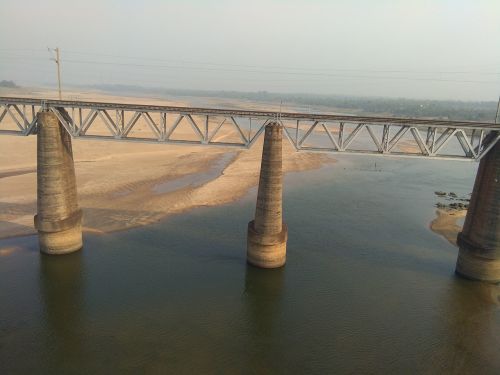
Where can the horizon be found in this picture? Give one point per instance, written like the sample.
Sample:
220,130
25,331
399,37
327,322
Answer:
122,88
436,50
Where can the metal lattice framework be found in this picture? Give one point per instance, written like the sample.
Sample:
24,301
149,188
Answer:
306,132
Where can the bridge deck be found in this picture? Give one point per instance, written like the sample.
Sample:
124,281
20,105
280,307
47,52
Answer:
428,138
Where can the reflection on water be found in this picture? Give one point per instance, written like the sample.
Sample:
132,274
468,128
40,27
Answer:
262,297
62,297
493,293
263,311
471,330
367,288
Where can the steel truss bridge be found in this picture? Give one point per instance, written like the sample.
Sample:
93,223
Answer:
424,138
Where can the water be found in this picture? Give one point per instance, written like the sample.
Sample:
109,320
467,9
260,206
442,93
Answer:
367,288
198,179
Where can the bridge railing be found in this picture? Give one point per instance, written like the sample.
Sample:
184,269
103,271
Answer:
424,138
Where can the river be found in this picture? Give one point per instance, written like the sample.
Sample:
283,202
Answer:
367,288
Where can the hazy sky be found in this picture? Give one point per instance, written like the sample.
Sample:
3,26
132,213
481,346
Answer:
407,48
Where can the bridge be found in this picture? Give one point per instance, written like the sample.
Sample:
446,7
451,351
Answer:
56,122
389,136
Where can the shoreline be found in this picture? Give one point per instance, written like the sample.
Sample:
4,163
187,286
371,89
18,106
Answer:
126,185
445,224
123,186
135,204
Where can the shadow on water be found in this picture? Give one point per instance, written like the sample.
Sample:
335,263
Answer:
367,289
470,337
62,298
263,310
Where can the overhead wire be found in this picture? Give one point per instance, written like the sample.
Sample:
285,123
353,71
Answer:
274,72
291,73
284,67
314,69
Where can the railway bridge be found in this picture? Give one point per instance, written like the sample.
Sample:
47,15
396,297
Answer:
56,122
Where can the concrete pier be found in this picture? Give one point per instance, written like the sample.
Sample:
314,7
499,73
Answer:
267,234
479,241
58,220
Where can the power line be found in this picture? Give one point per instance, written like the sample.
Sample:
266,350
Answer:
70,52
255,73
283,67
281,73
21,49
274,72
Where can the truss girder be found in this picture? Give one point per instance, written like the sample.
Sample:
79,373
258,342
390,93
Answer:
21,118
306,132
430,142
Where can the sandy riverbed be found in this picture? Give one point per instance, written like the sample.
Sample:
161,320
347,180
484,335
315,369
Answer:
446,224
124,185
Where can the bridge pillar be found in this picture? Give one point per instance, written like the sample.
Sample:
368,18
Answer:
58,220
479,241
267,234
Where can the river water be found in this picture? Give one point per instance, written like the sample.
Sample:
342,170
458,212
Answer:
367,288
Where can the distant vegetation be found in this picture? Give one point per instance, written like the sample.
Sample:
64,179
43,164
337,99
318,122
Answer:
9,84
442,109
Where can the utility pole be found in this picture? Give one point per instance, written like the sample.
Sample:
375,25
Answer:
57,60
498,111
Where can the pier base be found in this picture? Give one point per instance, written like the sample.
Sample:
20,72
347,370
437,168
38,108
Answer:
266,251
267,234
59,218
479,241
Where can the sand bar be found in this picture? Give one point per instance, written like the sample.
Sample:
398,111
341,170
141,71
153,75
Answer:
446,224
123,185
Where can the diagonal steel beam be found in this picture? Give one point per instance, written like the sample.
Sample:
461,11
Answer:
14,117
62,120
290,137
489,141
174,126
3,113
444,136
397,137
420,141
242,136
85,125
257,134
465,144
152,125
375,140
216,130
23,116
195,127
108,122
308,133
131,124
351,137
332,139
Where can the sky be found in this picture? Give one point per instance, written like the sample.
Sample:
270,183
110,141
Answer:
440,49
